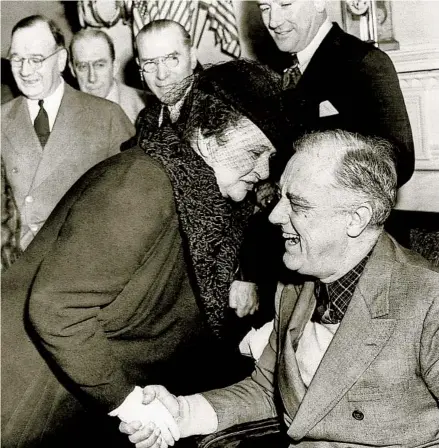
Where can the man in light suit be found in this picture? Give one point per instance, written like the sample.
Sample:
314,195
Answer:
337,81
51,134
93,63
353,360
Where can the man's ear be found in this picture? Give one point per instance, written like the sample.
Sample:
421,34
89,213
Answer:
62,60
320,5
193,56
72,68
116,67
358,219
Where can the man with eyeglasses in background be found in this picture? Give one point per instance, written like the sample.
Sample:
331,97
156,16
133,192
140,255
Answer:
166,62
94,65
51,134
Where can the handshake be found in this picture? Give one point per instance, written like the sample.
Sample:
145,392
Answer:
154,418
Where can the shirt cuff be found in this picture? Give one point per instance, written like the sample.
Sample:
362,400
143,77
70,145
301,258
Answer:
198,416
131,408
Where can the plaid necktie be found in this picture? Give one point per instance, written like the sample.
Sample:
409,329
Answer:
41,124
291,74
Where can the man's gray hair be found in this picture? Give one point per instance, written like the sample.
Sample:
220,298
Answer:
164,24
365,166
90,33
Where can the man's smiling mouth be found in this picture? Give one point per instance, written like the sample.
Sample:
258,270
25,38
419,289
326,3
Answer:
292,238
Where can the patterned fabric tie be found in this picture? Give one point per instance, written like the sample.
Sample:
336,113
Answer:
291,74
41,124
323,313
333,298
166,117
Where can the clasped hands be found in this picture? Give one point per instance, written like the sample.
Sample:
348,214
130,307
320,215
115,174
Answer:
154,418
150,417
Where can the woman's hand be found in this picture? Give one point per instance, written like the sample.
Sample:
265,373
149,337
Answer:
243,298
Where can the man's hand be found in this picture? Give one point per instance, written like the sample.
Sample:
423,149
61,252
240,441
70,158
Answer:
243,297
147,436
153,415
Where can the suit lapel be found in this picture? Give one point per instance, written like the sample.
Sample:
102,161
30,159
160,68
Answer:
361,336
20,131
64,130
291,386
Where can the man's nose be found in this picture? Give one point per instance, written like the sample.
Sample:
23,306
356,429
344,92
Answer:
91,74
162,70
26,68
279,214
276,16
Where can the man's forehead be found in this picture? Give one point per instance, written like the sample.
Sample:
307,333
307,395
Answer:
309,169
160,43
94,47
34,39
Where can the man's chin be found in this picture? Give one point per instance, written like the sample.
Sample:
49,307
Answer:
31,92
291,262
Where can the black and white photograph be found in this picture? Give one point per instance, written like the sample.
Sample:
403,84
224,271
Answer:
220,224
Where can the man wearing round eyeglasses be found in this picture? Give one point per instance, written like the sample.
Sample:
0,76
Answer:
166,62
52,134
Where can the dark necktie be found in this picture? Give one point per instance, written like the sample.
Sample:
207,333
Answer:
166,117
324,312
291,74
41,124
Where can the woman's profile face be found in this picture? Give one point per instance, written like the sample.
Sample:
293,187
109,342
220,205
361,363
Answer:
240,159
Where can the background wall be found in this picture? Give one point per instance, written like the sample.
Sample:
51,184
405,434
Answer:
415,24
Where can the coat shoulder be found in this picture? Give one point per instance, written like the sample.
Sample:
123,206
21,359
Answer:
7,107
91,102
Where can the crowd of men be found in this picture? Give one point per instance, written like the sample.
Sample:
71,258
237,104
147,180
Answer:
353,358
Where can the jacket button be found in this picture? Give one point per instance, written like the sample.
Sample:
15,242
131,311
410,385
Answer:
29,199
358,415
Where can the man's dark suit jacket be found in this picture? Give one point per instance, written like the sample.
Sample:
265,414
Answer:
107,299
361,83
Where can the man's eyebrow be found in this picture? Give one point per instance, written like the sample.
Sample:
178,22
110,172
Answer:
297,200
33,55
174,53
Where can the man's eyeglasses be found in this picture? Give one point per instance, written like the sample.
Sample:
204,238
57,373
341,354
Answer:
35,62
150,66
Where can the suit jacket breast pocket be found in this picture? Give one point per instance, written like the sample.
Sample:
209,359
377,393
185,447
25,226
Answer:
377,392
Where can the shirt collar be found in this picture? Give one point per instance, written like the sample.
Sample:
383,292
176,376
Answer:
113,94
307,53
174,109
51,104
332,306
347,283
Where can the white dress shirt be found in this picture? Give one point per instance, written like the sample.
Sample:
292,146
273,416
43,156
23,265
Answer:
307,53
51,105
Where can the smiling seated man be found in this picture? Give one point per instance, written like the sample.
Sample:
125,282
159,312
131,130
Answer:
353,360
93,63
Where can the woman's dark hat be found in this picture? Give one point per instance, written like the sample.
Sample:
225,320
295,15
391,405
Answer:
254,90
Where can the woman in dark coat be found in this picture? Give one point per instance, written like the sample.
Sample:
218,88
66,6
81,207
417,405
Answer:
127,283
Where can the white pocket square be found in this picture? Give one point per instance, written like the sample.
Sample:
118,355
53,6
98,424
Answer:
326,109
